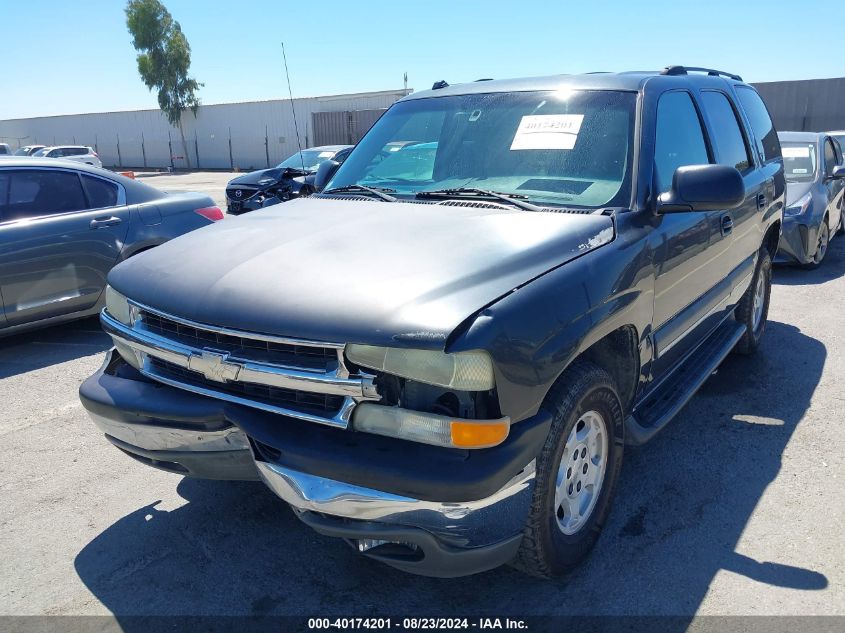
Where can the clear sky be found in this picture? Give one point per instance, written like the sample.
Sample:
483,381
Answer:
70,56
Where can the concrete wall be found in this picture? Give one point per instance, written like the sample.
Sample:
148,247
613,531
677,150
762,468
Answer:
815,105
262,132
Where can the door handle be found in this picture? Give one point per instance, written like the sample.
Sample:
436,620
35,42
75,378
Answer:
761,201
98,223
727,224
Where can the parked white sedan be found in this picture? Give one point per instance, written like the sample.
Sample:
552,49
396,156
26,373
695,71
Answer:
81,153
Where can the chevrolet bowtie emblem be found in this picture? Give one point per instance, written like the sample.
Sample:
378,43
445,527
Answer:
214,366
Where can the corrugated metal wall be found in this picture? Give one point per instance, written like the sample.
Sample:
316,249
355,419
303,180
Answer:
259,133
343,128
814,105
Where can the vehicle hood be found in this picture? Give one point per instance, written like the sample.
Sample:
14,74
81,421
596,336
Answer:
796,190
355,271
255,177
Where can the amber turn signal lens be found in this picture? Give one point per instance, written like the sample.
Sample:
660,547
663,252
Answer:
479,434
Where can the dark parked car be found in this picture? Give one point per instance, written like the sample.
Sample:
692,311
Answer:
815,179
292,178
63,225
441,363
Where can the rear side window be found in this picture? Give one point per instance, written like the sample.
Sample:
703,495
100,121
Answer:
727,135
679,140
32,193
100,193
761,123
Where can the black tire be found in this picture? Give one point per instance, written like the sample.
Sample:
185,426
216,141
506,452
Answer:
546,551
820,247
841,229
745,311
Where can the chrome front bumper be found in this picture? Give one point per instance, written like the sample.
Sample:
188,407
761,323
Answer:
463,525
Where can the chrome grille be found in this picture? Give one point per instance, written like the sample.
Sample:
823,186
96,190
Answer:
307,380
261,351
315,403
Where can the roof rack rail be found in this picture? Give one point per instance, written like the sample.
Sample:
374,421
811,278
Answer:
684,70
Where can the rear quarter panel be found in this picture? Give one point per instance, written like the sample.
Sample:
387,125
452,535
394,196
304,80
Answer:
158,221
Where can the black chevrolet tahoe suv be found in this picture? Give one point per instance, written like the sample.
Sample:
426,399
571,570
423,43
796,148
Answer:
440,357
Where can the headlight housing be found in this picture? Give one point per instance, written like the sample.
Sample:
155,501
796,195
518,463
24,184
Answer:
118,306
430,428
462,371
799,206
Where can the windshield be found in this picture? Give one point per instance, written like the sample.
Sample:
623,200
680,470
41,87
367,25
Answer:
799,161
42,151
572,148
308,157
23,151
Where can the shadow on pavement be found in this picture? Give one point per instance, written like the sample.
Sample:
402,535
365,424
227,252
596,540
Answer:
683,503
21,353
832,267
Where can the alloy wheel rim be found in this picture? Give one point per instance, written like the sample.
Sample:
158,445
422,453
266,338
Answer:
581,472
821,247
759,301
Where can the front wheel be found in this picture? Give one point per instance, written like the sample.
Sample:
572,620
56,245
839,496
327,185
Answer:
577,471
822,243
753,309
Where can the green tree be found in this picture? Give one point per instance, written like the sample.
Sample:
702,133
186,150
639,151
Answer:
164,59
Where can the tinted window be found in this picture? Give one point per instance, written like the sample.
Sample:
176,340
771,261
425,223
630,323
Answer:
761,122
56,153
679,140
100,193
32,193
4,149
727,136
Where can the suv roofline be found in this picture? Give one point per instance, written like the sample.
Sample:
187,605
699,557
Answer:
628,81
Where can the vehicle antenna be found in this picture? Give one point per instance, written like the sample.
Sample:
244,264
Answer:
292,109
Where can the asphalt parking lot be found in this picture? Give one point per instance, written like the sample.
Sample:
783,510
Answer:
736,509
212,183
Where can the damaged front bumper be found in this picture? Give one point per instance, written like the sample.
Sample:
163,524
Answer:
423,509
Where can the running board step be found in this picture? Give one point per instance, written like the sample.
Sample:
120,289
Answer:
674,392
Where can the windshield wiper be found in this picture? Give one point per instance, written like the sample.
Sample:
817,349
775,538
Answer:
379,192
516,199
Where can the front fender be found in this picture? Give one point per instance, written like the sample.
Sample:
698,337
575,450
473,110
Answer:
534,333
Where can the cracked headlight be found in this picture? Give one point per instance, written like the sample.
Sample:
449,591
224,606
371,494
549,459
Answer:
463,371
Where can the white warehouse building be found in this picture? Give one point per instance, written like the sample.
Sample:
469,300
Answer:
249,135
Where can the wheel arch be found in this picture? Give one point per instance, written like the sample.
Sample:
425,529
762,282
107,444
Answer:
772,239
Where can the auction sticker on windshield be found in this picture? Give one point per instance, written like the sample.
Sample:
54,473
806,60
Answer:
547,131
802,151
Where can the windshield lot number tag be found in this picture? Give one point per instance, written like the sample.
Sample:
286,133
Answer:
547,131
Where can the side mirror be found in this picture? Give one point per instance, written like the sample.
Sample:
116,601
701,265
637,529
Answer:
838,173
325,171
703,188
